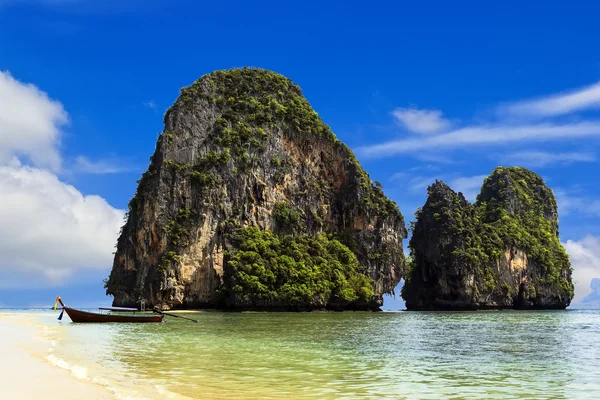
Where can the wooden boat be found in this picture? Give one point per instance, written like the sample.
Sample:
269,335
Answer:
85,316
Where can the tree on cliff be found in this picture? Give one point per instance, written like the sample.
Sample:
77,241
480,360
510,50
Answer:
501,252
250,201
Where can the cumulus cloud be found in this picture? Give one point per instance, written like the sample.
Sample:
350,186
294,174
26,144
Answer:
30,123
559,104
585,259
421,121
50,230
539,159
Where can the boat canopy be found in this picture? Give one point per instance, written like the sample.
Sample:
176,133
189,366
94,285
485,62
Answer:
118,309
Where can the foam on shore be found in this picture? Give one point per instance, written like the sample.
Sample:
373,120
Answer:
27,376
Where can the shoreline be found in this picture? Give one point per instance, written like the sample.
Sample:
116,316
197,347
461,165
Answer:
24,359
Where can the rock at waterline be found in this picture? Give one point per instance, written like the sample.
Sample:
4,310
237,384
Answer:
501,252
251,202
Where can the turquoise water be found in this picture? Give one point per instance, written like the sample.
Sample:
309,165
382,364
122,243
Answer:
396,355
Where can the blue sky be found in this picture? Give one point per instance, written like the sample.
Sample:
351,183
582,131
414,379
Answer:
419,90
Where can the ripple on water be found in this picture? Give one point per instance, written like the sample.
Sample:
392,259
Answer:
431,355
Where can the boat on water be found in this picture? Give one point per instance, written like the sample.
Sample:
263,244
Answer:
85,316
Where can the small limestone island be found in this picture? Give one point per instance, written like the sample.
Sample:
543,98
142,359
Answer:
501,252
250,202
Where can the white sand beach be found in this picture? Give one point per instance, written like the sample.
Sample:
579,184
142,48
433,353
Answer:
25,373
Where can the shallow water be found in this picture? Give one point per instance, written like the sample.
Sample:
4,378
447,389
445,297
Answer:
396,355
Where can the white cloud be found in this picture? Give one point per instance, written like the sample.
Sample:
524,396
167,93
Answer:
404,175
421,121
585,259
421,183
50,230
468,185
558,104
539,159
480,136
100,167
434,158
150,104
30,123
398,176
414,183
505,131
569,203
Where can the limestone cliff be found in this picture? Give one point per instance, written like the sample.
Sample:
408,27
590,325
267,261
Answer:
243,148
501,252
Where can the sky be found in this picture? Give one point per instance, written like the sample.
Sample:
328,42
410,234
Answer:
419,90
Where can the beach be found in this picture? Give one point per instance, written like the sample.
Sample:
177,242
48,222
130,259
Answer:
26,372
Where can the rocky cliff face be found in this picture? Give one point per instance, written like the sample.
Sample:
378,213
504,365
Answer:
240,149
501,252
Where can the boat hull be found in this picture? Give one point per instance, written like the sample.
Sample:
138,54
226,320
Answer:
84,316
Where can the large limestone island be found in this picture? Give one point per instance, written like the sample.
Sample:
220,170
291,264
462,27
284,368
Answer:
501,252
251,202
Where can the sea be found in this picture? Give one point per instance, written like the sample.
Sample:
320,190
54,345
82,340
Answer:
333,355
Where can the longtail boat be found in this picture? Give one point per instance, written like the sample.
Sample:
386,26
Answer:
85,316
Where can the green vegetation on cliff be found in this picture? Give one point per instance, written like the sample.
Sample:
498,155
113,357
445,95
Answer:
518,210
298,272
243,149
252,99
515,211
254,103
